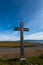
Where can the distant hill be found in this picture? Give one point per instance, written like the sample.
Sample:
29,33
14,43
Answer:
30,41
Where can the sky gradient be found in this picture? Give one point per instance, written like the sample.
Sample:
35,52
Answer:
13,11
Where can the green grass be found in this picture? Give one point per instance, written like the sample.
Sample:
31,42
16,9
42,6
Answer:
16,61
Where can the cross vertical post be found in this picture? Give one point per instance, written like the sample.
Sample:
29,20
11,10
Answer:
21,29
21,41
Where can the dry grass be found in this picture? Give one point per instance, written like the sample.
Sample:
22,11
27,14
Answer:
28,53
15,44
11,58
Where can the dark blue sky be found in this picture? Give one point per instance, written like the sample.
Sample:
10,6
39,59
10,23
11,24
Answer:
13,11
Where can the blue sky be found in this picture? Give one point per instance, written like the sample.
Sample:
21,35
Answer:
13,11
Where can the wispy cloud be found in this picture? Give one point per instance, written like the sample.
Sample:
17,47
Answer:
35,25
36,21
9,36
31,11
14,36
34,36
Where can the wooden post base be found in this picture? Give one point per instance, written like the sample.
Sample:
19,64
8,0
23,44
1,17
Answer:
21,59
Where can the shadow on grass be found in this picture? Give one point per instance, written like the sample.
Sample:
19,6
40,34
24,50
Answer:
13,60
41,56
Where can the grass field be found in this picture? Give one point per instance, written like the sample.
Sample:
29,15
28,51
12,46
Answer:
15,61
15,44
33,56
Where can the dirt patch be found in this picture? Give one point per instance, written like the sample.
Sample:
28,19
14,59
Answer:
29,53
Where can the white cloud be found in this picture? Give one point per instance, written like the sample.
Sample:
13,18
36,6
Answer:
9,37
15,36
34,36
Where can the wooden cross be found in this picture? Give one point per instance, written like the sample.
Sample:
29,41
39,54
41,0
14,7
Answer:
21,29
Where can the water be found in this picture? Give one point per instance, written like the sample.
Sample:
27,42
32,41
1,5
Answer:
35,41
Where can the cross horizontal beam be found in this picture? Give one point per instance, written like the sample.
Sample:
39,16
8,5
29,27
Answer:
19,29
